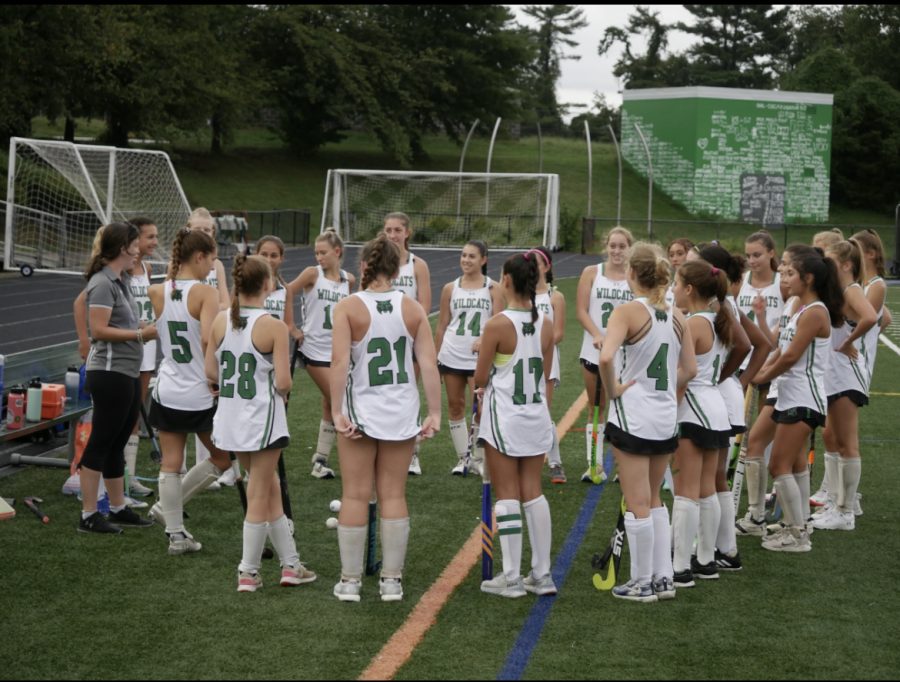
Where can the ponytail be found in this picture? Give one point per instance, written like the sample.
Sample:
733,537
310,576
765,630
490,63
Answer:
732,263
523,272
825,281
249,275
651,271
380,256
113,238
710,282
187,242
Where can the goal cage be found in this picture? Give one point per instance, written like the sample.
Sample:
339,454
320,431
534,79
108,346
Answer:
506,210
59,193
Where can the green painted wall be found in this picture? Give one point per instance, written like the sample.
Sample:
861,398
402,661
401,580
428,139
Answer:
701,146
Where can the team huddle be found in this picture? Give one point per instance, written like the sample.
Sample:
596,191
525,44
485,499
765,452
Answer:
678,345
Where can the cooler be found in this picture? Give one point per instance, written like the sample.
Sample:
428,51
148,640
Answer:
53,400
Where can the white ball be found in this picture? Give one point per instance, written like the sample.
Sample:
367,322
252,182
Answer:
335,506
331,522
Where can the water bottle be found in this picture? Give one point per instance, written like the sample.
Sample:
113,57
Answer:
33,402
103,503
15,408
73,384
83,393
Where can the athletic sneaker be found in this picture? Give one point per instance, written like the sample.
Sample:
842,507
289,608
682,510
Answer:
156,515
127,517
320,468
249,582
684,578
750,526
298,574
132,503
229,478
664,588
835,520
819,498
501,586
215,485
539,586
97,523
789,540
706,571
182,542
475,466
725,562
586,476
390,589
635,591
138,489
348,590
825,509
72,486
557,475
459,468
415,469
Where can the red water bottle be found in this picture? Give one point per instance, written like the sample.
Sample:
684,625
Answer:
15,408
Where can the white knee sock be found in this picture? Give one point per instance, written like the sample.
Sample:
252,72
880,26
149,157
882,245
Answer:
326,439
352,545
789,498
710,515
553,456
199,478
803,483
459,436
170,501
755,476
685,522
131,451
509,528
726,541
830,482
254,541
662,543
200,450
394,539
849,472
537,514
283,541
640,544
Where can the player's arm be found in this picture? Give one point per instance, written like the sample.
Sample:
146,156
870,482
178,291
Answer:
280,353
443,315
303,281
224,300
808,328
740,347
498,300
207,306
80,313
547,345
687,358
427,359
762,346
490,340
341,336
558,301
582,304
210,364
616,333
865,315
423,284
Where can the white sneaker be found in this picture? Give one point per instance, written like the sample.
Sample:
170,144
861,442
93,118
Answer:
825,509
415,469
229,478
819,498
391,589
348,590
249,582
750,526
183,542
156,514
539,586
460,467
476,466
138,489
500,586
320,470
789,540
135,504
72,486
214,486
586,476
836,520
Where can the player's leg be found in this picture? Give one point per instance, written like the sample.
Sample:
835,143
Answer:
504,472
135,487
391,471
710,515
634,479
687,466
537,516
756,476
455,385
590,375
663,569
129,398
727,556
357,460
790,440
827,491
843,425
326,437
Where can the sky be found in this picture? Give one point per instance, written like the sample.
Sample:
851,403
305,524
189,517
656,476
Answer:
593,73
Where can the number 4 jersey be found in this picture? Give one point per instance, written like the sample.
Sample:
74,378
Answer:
181,378
250,414
514,417
381,397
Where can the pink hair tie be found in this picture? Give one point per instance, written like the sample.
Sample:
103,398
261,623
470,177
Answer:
714,270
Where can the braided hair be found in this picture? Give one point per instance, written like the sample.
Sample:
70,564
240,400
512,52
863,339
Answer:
249,275
187,242
522,269
380,256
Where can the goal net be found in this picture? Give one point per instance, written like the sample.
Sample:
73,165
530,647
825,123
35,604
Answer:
59,193
506,210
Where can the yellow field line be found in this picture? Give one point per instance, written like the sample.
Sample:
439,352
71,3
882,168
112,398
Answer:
399,648
892,395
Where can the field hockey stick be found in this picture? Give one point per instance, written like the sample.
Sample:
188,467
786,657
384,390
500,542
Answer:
487,525
614,552
156,452
470,445
737,482
372,564
595,439
282,473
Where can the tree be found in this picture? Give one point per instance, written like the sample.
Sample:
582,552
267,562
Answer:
556,24
598,119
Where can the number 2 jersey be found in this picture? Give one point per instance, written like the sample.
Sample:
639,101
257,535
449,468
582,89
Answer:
381,396
318,312
181,378
470,309
649,408
514,416
250,414
606,295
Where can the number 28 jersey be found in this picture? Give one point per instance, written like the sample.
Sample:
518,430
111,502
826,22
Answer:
606,295
381,396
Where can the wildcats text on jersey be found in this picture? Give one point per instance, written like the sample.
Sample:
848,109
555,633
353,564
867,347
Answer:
745,301
404,281
469,303
623,294
326,295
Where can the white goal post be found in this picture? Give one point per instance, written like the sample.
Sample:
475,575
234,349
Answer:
506,210
59,193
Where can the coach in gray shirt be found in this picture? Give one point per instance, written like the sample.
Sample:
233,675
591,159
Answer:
113,371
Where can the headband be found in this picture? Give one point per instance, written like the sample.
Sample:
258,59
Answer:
540,253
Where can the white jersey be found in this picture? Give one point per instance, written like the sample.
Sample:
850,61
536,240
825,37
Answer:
649,408
544,304
730,389
703,404
606,295
406,279
772,296
181,380
470,309
276,301
318,311
783,322
515,418
212,279
870,339
803,385
250,415
139,285
845,374
381,397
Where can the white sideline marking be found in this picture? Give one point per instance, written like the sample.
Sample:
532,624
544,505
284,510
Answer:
890,344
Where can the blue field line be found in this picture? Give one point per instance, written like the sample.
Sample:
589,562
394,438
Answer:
521,651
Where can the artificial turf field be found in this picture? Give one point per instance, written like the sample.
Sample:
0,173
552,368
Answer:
77,606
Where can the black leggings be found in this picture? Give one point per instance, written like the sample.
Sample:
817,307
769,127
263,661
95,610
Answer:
117,400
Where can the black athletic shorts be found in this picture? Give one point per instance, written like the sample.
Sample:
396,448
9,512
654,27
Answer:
590,367
443,369
858,398
705,439
634,445
770,402
306,362
181,421
799,414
